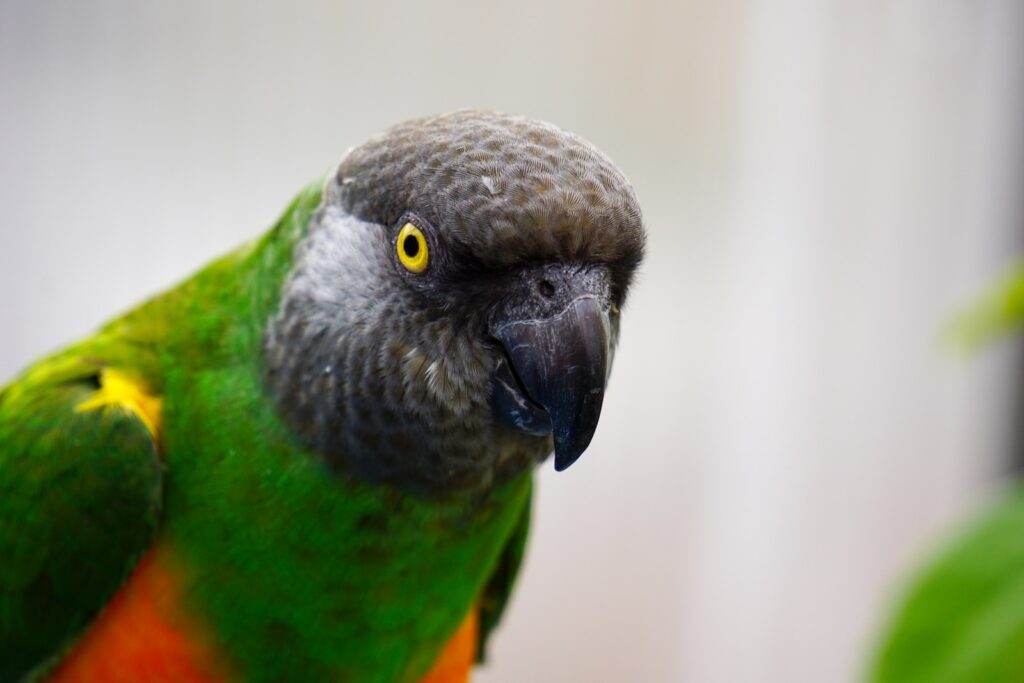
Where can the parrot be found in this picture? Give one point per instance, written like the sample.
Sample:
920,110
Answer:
314,459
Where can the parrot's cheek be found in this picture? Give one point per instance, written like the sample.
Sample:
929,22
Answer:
552,377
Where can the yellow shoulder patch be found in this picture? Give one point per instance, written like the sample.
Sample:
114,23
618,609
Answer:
119,390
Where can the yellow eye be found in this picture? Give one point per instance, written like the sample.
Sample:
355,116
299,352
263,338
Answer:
412,249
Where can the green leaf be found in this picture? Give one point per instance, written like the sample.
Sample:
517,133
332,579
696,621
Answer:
963,618
997,314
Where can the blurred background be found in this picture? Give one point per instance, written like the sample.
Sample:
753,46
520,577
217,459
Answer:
824,183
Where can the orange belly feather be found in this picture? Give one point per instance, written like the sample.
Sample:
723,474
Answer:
142,637
455,662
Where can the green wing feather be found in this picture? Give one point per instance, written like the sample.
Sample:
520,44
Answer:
499,586
80,496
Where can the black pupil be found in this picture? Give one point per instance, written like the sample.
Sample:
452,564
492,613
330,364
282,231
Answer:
411,246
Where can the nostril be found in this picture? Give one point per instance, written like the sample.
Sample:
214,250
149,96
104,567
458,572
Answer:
546,289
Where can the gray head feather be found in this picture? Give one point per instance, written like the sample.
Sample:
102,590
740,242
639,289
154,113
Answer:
506,188
386,373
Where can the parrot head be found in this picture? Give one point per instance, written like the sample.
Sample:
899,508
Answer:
452,312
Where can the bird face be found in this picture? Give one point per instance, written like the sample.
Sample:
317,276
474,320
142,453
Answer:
454,308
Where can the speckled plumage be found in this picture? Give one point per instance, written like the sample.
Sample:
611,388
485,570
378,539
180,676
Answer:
333,487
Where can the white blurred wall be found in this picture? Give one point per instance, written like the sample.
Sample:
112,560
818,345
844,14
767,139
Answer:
823,182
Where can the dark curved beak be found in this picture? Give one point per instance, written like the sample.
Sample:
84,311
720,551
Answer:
557,366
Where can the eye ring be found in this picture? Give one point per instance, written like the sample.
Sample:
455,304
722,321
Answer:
412,249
